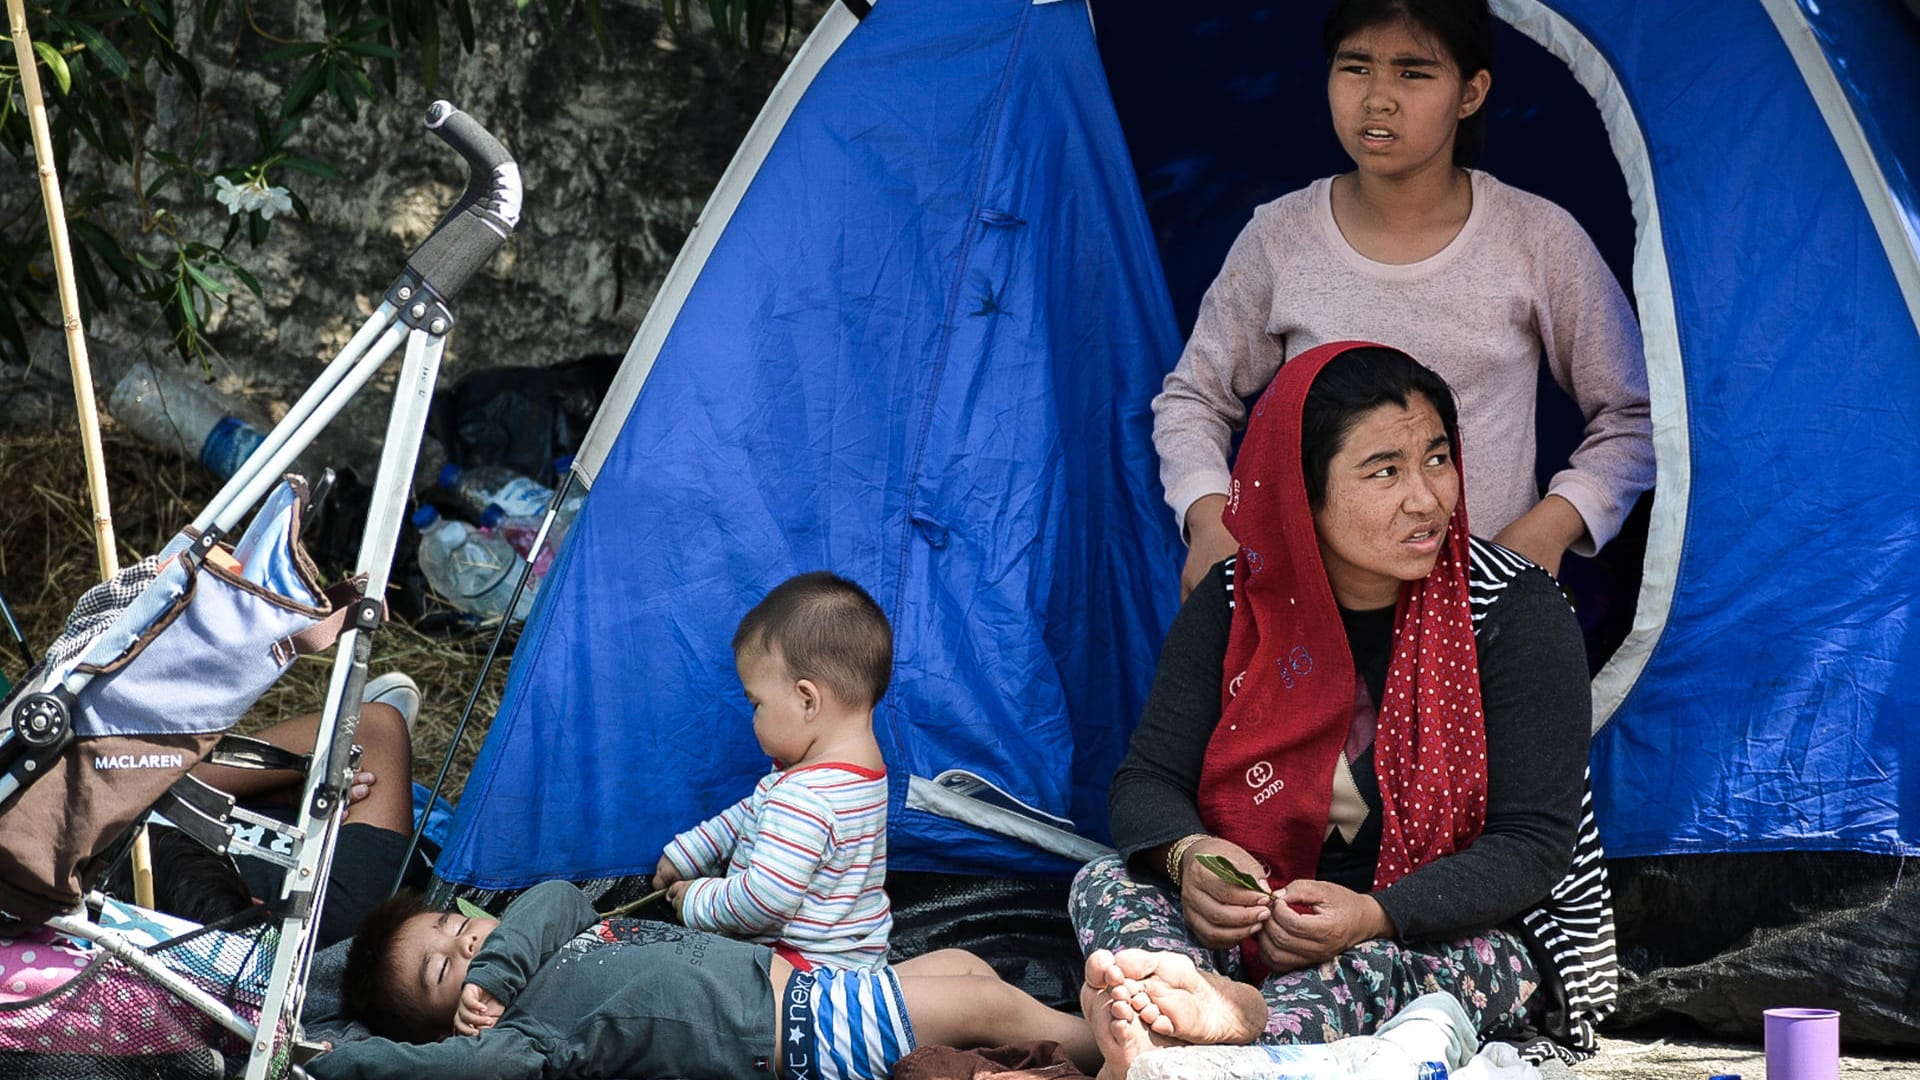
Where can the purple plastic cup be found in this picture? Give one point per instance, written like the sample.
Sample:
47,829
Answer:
1803,1044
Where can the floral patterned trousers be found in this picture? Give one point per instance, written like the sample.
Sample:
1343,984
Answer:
1351,994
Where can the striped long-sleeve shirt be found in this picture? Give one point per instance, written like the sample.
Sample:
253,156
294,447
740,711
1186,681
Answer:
801,863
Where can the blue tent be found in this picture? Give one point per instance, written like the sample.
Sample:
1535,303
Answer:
914,336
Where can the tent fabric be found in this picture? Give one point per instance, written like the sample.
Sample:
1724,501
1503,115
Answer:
914,338
920,355
1862,48
1770,715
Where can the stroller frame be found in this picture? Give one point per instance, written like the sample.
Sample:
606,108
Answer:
415,310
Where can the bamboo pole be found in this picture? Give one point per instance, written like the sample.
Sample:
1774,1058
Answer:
76,350
69,296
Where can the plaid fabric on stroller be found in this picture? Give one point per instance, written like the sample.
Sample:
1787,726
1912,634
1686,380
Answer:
158,663
177,649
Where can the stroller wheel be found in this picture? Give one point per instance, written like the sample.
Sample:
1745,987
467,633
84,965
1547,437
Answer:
40,720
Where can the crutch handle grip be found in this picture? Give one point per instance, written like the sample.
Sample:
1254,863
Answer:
486,214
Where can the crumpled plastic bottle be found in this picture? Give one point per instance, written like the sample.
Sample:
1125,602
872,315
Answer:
470,568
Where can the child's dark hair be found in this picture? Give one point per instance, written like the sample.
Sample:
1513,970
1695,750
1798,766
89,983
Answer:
370,992
1464,28
827,629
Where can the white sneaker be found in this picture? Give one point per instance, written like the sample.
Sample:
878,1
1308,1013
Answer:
397,690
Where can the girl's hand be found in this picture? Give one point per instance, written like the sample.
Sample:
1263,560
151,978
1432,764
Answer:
1336,920
362,787
477,1011
1208,541
1221,914
1544,533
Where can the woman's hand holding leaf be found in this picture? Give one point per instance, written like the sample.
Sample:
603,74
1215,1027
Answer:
1222,913
1314,921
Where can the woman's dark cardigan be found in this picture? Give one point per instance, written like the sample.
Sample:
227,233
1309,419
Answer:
1535,693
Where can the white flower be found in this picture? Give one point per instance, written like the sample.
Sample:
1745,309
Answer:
252,195
275,200
229,195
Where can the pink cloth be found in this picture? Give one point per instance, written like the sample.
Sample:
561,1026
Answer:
37,963
115,1012
1521,276
57,997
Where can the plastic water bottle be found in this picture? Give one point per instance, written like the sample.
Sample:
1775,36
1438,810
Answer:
1362,1057
1419,1043
522,530
471,569
172,410
482,486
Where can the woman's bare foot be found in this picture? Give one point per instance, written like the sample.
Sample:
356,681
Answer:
1118,1033
1178,1001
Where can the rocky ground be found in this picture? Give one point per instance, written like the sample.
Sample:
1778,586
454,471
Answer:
1691,1057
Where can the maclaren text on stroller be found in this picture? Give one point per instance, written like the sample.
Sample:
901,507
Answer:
159,662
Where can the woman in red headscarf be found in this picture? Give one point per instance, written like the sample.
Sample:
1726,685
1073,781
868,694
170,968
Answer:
1381,720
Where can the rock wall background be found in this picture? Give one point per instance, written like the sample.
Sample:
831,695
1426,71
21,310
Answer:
619,148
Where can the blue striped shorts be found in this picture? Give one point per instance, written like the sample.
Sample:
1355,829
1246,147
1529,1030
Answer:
839,1024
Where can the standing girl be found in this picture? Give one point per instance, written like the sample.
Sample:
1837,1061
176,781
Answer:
1415,250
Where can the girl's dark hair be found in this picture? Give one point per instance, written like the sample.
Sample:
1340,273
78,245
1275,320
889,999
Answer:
1463,27
1353,384
370,992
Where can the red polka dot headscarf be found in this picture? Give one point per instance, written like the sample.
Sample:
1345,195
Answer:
1288,684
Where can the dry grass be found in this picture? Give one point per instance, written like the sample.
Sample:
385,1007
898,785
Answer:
47,559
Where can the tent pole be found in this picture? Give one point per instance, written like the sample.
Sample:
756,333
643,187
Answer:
540,542
76,354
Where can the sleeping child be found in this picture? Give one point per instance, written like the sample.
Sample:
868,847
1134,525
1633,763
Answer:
551,989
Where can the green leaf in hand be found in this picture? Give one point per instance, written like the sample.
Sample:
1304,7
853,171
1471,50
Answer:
1229,873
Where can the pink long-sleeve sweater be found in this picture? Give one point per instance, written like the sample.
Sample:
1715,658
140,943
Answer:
1520,277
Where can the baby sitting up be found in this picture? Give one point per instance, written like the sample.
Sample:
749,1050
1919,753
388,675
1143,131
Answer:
801,863
552,989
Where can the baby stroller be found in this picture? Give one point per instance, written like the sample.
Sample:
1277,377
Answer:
154,667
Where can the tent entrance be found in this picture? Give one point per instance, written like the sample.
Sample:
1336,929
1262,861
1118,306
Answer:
1264,131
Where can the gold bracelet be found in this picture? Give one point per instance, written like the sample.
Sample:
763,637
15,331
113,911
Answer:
1178,853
